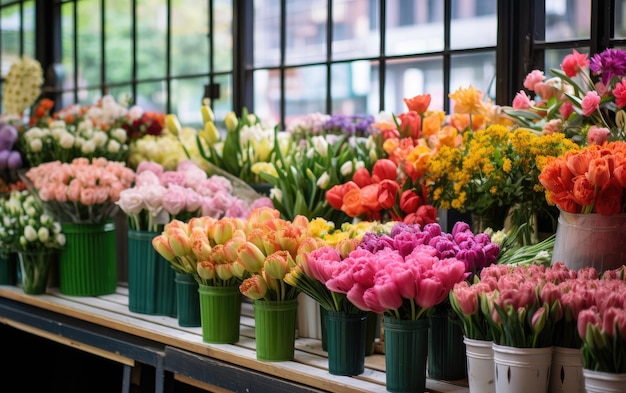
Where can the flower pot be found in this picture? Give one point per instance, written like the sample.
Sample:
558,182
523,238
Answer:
346,343
566,373
35,269
8,269
601,382
406,350
521,370
590,240
151,286
275,329
220,313
187,300
88,262
480,368
446,350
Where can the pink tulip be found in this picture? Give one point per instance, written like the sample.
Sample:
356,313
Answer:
162,246
585,318
466,297
430,292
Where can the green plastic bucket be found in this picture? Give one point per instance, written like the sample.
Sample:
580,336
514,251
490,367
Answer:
88,262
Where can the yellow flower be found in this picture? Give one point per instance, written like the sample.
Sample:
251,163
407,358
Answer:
468,101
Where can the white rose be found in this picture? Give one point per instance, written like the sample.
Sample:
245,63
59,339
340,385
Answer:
43,234
36,145
30,233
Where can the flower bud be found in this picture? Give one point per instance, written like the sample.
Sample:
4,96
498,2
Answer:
161,245
206,270
231,121
251,257
210,133
172,124
207,113
254,287
277,264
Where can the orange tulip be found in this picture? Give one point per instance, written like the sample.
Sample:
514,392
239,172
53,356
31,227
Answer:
599,173
583,191
419,103
254,287
352,204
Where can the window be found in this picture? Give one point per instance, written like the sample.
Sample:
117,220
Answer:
291,57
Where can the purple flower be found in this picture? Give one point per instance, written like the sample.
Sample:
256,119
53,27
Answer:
373,242
609,63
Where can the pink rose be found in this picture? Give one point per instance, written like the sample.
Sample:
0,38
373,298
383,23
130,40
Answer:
146,178
150,166
522,100
172,178
534,77
598,135
131,201
590,103
174,199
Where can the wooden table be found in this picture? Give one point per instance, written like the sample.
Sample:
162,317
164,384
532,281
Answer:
105,327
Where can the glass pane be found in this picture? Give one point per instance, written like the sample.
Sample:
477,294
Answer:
350,88
305,31
224,103
152,96
88,41
414,26
10,37
67,50
223,35
356,31
123,95
620,18
118,45
305,91
186,100
474,24
29,28
151,38
407,78
88,97
266,35
476,69
190,37
567,20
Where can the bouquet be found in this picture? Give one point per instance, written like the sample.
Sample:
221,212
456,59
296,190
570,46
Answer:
493,170
25,226
584,99
591,180
310,276
204,247
519,303
22,85
159,196
398,275
82,191
105,129
303,173
247,141
268,254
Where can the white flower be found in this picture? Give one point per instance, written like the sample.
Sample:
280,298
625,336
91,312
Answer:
277,194
323,181
119,134
88,147
43,234
321,145
346,168
36,145
66,140
113,146
30,233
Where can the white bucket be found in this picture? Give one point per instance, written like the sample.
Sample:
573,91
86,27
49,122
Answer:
480,368
601,382
566,374
522,370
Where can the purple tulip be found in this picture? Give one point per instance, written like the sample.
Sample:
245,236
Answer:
14,161
8,133
4,156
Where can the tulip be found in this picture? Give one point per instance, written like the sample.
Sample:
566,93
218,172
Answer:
162,246
172,124
251,257
224,271
206,270
254,287
179,242
278,264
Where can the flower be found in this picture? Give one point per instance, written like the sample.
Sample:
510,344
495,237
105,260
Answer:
105,129
204,247
402,275
10,156
590,180
22,85
160,196
585,95
83,191
247,141
602,326
303,172
312,270
25,226
495,168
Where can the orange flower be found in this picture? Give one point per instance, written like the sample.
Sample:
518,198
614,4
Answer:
609,200
352,204
387,192
599,173
419,103
411,125
336,194
583,191
431,124
468,101
384,169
